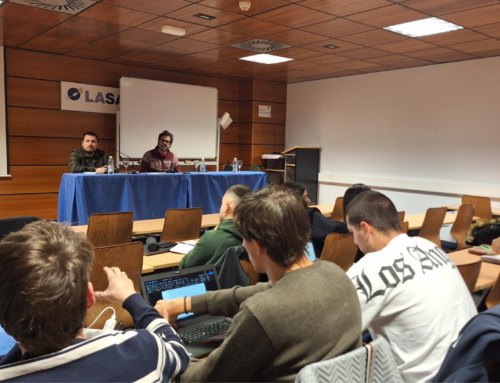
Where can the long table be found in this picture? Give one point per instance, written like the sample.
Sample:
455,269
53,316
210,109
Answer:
495,212
147,195
487,275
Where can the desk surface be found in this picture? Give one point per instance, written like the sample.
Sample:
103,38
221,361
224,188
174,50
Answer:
455,208
489,271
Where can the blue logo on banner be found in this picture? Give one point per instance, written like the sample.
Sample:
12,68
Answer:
74,94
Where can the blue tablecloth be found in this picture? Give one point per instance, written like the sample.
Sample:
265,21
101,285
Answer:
207,189
147,195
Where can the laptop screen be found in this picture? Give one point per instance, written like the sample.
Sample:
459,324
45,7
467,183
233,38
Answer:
178,284
6,343
310,254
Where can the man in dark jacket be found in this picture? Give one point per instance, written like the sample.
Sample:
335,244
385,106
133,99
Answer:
88,158
214,243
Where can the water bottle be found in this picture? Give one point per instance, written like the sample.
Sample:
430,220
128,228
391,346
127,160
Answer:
111,165
235,165
203,167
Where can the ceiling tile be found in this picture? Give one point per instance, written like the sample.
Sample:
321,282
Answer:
363,53
475,17
146,36
295,37
375,69
156,7
485,48
440,55
51,44
327,59
156,24
342,46
222,17
253,28
441,7
14,33
88,55
356,64
168,51
492,30
73,35
145,56
228,53
32,15
407,45
190,45
233,6
297,53
93,26
116,15
196,60
390,60
337,28
294,16
344,7
412,64
454,37
387,16
220,37
373,37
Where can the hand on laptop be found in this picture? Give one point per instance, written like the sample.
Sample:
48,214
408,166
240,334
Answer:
120,286
171,309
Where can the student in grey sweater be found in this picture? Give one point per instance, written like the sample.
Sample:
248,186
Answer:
308,312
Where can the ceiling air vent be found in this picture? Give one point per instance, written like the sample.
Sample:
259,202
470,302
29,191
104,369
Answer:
262,46
65,6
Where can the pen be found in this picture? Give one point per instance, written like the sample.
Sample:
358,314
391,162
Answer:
189,244
486,247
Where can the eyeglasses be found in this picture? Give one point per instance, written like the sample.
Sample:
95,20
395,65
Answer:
165,141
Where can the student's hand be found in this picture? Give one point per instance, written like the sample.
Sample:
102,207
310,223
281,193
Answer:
120,286
495,246
172,308
102,170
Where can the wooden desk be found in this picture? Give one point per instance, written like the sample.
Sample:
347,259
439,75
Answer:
147,268
489,271
162,260
495,212
415,221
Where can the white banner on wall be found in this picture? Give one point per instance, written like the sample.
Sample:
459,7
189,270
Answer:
89,98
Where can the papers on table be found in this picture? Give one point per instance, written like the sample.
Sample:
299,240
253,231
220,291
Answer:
271,156
491,258
183,247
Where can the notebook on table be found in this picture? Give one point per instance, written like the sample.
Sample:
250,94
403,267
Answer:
201,333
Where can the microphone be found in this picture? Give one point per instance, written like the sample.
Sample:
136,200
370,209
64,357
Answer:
123,154
151,244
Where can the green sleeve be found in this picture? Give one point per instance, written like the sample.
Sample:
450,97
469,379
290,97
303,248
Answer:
201,253
75,164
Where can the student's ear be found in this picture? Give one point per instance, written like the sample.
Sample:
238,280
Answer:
90,295
365,227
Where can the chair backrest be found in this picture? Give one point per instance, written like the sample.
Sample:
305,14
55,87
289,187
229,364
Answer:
182,224
128,257
230,269
249,269
433,221
493,297
107,229
401,215
338,210
372,363
462,225
483,206
340,249
404,227
470,273
10,225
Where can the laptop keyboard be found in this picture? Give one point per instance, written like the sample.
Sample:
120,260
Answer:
205,332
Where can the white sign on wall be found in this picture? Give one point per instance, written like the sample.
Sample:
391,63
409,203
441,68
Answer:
265,111
89,98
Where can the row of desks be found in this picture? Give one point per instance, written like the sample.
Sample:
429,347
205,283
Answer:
495,212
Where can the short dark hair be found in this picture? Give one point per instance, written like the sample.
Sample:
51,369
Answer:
90,134
276,219
44,273
352,192
239,191
166,133
297,187
376,209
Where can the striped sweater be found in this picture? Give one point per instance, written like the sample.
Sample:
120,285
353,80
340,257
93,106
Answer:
152,353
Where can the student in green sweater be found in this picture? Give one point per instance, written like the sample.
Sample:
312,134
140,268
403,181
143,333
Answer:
215,242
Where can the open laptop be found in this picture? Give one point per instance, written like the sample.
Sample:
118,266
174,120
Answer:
6,343
201,333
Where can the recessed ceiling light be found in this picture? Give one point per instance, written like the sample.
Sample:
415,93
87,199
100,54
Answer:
425,27
204,17
330,46
266,59
169,30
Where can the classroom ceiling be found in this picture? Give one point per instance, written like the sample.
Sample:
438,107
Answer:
128,32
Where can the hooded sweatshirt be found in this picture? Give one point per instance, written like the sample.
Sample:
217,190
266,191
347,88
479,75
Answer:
212,245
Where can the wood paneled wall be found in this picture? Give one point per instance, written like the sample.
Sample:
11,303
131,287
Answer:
41,136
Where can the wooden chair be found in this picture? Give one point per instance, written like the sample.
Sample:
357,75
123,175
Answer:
401,215
338,210
493,297
462,225
433,221
340,249
248,267
470,273
483,206
107,229
404,227
128,257
182,224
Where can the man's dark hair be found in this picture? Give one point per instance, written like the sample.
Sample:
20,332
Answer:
90,134
376,209
44,273
276,219
352,192
239,191
297,187
166,133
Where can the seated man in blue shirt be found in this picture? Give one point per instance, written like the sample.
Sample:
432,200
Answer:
45,293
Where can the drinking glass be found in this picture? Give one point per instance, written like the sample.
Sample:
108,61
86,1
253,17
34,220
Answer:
196,164
240,164
126,163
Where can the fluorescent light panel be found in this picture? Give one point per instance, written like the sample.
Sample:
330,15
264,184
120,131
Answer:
266,59
425,27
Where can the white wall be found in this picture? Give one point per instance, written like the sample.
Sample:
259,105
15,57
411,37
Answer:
3,123
426,135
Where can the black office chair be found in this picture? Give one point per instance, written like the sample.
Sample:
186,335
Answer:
10,225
